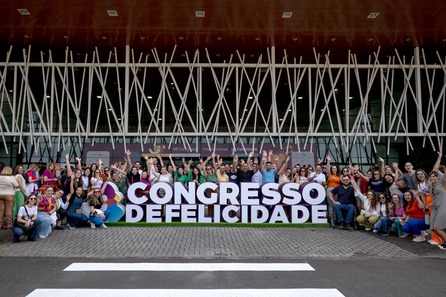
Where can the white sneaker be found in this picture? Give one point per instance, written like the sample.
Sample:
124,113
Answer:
419,238
433,242
375,231
103,226
368,229
93,226
72,228
42,236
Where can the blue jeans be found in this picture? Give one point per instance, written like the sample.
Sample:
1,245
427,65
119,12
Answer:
19,232
97,220
384,223
44,224
414,226
350,208
76,219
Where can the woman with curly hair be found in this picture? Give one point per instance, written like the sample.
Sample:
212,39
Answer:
371,207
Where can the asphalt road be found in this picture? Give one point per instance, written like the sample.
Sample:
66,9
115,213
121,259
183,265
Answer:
354,276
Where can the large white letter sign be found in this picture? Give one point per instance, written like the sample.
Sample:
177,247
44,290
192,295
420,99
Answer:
291,196
228,193
278,215
154,213
202,190
182,192
295,218
168,193
130,209
257,210
319,193
318,213
248,190
172,211
271,195
228,202
225,213
131,193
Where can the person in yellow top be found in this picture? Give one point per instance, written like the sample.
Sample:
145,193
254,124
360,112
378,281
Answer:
221,174
333,180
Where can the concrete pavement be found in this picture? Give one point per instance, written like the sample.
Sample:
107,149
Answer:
216,243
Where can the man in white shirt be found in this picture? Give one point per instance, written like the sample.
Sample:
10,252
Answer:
318,176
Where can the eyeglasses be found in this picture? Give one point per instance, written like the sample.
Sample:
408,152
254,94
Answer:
209,168
32,198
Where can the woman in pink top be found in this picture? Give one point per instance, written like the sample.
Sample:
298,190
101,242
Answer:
32,174
48,178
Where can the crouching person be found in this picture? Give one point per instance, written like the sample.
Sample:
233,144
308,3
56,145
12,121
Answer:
75,217
26,220
97,216
45,213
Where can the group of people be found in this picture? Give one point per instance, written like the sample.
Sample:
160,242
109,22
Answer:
33,204
384,199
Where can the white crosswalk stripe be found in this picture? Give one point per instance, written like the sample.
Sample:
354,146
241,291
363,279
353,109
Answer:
187,292
188,267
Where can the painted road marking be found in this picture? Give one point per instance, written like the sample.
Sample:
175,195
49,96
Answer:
189,267
186,292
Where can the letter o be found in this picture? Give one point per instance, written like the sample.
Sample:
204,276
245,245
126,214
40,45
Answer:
306,191
161,186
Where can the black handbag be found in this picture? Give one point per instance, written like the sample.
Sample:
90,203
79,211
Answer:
23,225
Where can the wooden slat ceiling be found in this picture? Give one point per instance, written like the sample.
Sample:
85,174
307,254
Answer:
249,26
